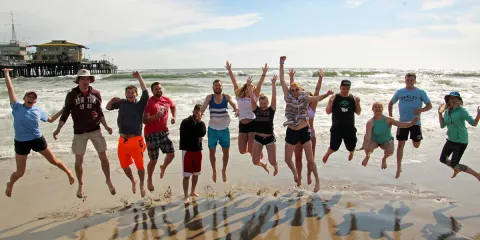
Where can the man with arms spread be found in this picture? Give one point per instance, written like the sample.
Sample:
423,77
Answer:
218,131
131,144
156,131
84,103
410,106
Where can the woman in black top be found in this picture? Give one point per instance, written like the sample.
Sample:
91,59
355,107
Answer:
264,127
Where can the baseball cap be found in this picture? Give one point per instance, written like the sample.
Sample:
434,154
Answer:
346,83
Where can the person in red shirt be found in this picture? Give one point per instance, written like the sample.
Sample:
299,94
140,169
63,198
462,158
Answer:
156,131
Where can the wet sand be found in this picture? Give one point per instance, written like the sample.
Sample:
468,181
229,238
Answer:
353,203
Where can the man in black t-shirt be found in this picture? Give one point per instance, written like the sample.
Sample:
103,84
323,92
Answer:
343,107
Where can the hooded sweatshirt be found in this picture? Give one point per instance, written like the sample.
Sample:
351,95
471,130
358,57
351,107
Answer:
81,105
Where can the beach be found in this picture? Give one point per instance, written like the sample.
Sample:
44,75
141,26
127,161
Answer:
354,202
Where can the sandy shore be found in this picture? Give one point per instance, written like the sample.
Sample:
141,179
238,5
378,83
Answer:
353,203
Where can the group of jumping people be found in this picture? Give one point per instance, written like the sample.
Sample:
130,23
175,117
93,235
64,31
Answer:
255,112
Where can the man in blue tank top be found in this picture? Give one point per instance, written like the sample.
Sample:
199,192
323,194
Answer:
410,106
218,132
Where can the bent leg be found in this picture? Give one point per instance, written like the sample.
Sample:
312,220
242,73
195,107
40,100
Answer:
257,150
47,154
242,142
289,148
311,162
21,161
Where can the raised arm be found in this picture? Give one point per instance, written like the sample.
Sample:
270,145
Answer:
234,105
441,109
273,103
253,101
8,82
477,119
228,66
329,107
399,124
282,76
291,74
260,82
319,83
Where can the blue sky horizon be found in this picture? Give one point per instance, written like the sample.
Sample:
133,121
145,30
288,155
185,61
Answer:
166,34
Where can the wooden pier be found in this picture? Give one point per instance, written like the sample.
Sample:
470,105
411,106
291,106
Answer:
48,69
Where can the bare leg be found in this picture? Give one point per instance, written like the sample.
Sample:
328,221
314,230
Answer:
141,175
106,171
401,146
213,160
186,181
242,142
225,163
150,169
298,161
309,171
129,174
367,156
79,173
327,155
194,186
272,157
387,153
168,159
288,160
257,150
47,153
21,161
313,166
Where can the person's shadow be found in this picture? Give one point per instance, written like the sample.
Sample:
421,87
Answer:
378,224
445,227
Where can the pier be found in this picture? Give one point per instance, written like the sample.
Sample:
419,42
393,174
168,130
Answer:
53,69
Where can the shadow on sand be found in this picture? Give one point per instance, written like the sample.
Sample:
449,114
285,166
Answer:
445,227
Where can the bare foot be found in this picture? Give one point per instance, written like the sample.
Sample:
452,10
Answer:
150,186
71,179
224,175
455,172
186,202
365,161
214,176
9,189
350,156
398,173
317,186
134,186
194,194
297,180
309,178
142,191
325,158
162,171
384,163
275,171
111,188
264,165
80,191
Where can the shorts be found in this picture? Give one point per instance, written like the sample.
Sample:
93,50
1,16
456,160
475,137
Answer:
218,136
131,150
156,141
246,128
79,143
37,145
415,133
192,163
347,134
264,140
455,149
293,137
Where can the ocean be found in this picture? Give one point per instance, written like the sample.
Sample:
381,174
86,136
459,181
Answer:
190,86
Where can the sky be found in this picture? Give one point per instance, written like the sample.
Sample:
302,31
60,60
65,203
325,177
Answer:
164,34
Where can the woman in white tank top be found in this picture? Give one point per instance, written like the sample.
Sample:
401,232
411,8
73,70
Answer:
246,117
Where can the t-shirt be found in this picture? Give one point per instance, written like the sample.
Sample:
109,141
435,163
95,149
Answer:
454,120
343,111
264,120
153,107
409,101
130,115
25,121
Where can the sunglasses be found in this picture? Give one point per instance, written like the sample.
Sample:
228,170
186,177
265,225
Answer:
295,90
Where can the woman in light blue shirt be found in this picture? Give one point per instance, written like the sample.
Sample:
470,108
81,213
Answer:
28,137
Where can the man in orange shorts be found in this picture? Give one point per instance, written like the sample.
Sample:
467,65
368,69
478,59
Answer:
192,131
131,144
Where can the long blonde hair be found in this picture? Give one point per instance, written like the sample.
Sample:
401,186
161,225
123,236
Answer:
242,92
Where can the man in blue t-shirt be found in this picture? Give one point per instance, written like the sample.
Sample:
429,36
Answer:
26,118
410,106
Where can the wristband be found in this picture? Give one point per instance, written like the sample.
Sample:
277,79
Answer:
263,75
282,62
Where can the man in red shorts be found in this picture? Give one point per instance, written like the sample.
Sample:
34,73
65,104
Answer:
192,131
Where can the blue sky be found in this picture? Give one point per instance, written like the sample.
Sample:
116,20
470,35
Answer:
204,34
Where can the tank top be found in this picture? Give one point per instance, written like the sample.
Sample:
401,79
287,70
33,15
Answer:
381,131
245,108
264,121
343,111
219,118
296,108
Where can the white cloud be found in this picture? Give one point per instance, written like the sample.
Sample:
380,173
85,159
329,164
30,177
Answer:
94,21
419,16
354,3
226,23
401,48
434,4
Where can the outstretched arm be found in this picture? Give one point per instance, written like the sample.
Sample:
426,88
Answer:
228,66
319,98
54,117
399,124
273,104
114,103
259,84
291,73
282,76
8,82
234,105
